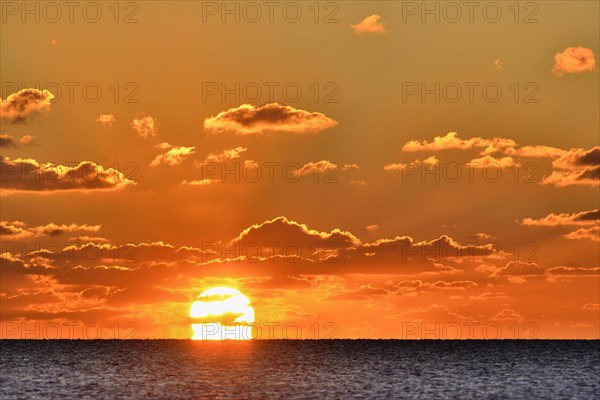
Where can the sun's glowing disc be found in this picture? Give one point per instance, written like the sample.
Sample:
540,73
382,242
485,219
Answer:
222,313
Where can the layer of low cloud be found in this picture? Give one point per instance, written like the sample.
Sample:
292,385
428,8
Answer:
569,167
582,218
19,230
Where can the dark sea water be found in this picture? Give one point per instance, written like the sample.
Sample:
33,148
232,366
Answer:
322,369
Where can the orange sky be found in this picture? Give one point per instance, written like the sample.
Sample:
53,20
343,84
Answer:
355,173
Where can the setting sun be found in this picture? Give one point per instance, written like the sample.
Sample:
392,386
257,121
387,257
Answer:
222,313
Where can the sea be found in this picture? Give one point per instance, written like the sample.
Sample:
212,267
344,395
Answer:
300,369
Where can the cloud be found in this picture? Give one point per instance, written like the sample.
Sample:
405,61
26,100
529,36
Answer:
592,233
434,312
308,251
573,271
370,24
18,230
508,315
202,182
13,230
484,236
586,177
582,218
430,161
537,151
7,141
174,156
459,285
569,167
498,63
107,120
225,155
347,167
17,107
452,141
97,273
248,119
574,60
28,175
315,168
369,292
281,228
26,140
489,161
95,239
575,167
364,292
145,125
489,296
591,306
372,227
519,268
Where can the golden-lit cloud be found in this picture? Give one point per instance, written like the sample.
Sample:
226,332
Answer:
490,161
281,228
433,312
581,177
19,106
28,175
519,268
452,141
225,155
574,60
26,139
582,218
508,315
592,233
7,141
313,168
145,125
107,120
333,266
201,182
569,167
248,120
429,161
573,271
370,24
19,230
537,151
484,236
575,167
175,155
